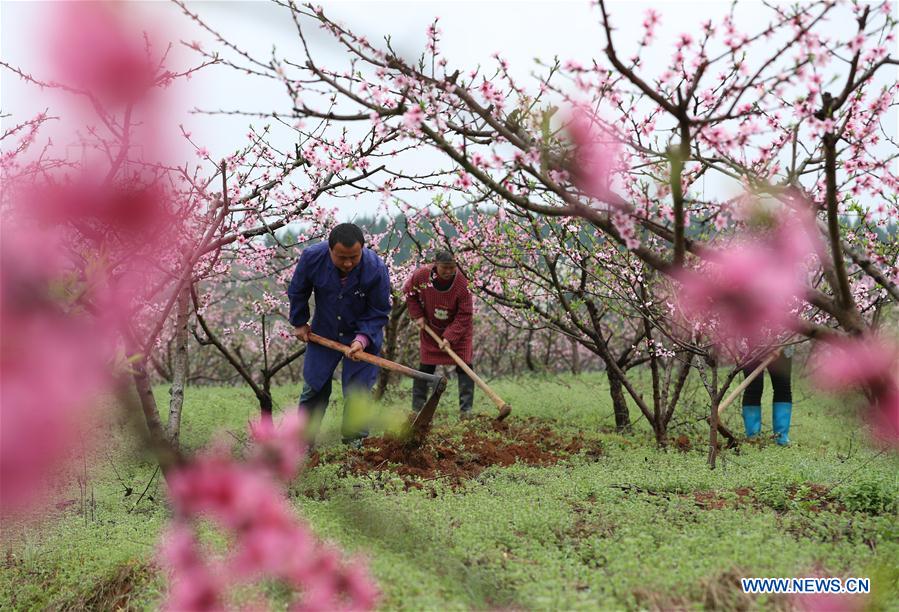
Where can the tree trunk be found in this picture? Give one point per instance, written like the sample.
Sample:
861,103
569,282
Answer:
619,403
550,345
165,453
708,373
266,403
660,430
713,417
179,368
575,356
529,352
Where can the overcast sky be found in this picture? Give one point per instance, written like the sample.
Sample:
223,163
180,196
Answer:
472,32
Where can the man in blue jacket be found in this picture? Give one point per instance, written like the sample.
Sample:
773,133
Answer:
352,305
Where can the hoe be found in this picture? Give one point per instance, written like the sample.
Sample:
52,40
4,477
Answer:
504,408
418,426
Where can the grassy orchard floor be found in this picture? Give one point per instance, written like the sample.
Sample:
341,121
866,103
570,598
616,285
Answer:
635,527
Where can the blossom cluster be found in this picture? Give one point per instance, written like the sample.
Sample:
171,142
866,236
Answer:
267,540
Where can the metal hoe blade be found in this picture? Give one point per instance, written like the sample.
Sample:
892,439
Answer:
421,424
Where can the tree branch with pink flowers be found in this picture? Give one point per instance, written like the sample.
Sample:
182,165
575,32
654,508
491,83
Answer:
625,148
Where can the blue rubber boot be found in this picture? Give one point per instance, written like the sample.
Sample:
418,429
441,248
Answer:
780,422
752,420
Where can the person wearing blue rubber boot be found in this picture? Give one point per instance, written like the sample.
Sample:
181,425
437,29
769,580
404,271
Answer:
782,409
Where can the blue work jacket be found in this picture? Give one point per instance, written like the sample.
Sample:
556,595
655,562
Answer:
359,306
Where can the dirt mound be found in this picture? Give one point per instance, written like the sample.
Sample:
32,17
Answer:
815,497
459,454
811,497
712,500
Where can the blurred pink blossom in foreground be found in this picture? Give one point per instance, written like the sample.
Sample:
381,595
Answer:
747,291
94,49
83,244
829,602
77,260
200,584
281,447
869,364
268,540
744,295
596,150
93,254
54,361
843,362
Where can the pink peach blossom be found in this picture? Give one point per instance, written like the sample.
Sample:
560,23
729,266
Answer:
869,364
595,154
95,51
844,362
53,364
413,118
198,587
269,541
829,602
748,292
279,446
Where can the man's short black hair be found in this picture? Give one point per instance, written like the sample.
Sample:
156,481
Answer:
443,256
347,234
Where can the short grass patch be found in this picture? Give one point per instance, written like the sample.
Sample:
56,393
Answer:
610,521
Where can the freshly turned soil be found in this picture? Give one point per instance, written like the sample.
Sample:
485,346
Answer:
484,442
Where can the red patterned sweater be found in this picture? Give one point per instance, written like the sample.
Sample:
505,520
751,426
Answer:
449,313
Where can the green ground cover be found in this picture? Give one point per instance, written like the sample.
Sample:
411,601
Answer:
633,528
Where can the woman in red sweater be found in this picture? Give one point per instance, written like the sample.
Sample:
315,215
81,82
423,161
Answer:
437,294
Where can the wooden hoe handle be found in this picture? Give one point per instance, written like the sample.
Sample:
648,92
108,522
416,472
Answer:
504,408
375,360
752,376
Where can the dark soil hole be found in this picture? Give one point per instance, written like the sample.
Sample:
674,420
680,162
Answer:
457,455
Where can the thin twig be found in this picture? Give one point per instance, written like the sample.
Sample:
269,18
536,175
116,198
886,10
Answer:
147,488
